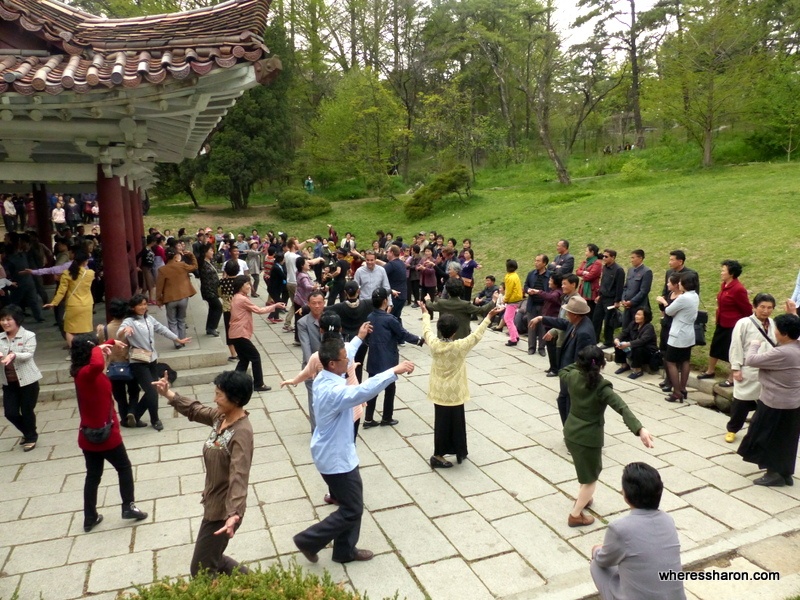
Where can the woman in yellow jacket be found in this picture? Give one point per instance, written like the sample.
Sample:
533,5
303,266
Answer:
513,298
75,287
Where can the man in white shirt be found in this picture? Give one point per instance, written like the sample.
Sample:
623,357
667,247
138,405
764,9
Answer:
370,276
243,269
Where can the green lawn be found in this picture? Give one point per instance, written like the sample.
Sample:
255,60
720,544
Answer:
748,213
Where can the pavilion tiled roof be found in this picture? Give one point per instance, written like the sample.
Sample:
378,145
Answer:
86,52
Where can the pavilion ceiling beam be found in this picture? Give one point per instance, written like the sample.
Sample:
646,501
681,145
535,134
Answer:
66,172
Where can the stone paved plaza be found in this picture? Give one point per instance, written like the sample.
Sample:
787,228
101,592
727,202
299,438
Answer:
493,527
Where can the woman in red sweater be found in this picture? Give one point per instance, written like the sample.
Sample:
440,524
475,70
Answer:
96,407
733,304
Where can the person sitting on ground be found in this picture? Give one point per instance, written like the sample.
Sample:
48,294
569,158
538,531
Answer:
636,344
639,546
590,394
487,293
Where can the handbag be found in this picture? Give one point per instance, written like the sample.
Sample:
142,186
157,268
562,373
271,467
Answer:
467,282
700,322
119,371
97,435
614,319
141,355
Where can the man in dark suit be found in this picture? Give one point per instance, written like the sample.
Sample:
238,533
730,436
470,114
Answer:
579,333
677,264
564,263
609,297
639,546
635,295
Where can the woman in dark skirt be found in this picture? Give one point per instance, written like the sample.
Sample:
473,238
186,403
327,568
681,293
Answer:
448,385
590,394
733,304
771,440
673,285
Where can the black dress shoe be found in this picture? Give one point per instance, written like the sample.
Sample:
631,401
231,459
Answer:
310,556
158,426
360,555
370,424
542,352
531,351
262,388
130,511
389,423
789,480
771,480
622,369
89,524
510,343
438,463
551,374
212,332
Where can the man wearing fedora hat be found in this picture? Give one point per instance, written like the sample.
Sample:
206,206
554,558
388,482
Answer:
579,333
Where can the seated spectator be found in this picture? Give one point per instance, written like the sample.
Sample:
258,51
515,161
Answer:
640,545
636,344
485,295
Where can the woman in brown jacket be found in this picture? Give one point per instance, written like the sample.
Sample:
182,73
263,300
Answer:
174,288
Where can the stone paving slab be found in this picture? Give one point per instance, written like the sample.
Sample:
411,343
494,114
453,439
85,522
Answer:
494,526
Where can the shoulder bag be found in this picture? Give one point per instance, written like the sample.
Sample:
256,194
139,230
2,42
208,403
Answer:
97,435
700,322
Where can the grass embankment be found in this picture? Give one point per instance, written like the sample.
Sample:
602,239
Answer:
748,213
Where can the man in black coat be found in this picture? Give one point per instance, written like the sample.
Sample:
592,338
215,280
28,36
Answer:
609,297
579,333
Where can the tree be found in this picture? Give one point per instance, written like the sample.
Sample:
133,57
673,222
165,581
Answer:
778,105
182,177
357,130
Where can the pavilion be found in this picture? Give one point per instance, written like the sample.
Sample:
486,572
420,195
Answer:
88,102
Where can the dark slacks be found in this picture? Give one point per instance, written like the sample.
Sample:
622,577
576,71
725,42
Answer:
144,374
535,334
388,404
343,526
739,410
247,354
552,355
124,393
639,357
601,319
19,402
360,359
563,402
95,461
209,551
214,314
397,308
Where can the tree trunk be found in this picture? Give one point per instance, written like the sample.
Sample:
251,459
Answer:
188,189
708,146
635,92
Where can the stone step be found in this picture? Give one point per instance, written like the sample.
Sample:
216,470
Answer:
186,377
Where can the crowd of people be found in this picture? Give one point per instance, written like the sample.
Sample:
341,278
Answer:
345,306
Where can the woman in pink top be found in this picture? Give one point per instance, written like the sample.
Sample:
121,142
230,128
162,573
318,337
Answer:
241,329
330,325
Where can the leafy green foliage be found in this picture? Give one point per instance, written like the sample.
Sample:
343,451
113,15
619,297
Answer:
295,205
634,170
275,584
455,181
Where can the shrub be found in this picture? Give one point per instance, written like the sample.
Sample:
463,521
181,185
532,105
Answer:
275,584
420,205
455,181
295,205
634,170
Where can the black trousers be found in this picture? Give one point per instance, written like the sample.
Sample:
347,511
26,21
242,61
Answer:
256,277
95,461
124,393
343,526
388,404
397,308
536,334
336,291
209,551
552,355
601,317
214,314
639,357
563,402
739,411
360,359
144,374
247,354
413,290
19,402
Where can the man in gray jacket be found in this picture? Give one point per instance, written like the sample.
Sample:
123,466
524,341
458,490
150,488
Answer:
640,546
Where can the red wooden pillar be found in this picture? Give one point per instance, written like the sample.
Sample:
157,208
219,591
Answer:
134,207
129,253
112,236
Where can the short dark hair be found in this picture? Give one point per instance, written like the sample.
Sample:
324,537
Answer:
300,262
572,279
453,240
788,325
642,486
329,351
491,278
689,281
378,297
447,326
239,282
231,268
13,311
511,265
764,297
610,252
454,287
593,248
545,259
171,253
118,308
236,385
734,267
315,293
135,301
679,254
675,278
648,316
80,351
566,243
638,252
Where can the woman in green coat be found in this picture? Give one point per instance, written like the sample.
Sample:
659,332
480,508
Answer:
583,431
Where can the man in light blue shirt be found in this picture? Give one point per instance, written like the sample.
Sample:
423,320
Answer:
334,452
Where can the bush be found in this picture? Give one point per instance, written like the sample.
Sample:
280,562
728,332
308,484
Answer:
295,205
275,584
635,170
420,205
455,181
